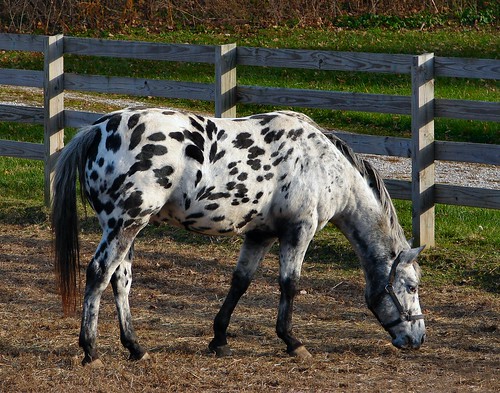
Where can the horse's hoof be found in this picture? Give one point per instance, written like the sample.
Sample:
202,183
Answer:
301,353
96,363
222,351
144,358
139,357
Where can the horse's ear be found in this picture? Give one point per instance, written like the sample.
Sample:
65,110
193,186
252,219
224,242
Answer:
410,242
410,255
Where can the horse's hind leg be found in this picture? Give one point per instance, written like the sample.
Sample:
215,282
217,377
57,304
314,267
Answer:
293,246
111,252
252,252
121,281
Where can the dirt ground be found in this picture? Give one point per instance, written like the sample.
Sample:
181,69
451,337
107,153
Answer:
178,287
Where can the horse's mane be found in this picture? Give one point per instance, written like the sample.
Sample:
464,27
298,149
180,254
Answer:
369,173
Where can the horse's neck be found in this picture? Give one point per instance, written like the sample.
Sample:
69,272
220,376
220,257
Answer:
368,227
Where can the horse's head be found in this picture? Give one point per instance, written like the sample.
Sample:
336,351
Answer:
395,302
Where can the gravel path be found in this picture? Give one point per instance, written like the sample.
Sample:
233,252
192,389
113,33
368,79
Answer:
455,173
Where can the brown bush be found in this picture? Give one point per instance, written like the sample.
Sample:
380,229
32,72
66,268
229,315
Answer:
61,16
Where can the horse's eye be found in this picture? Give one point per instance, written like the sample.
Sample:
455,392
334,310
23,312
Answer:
412,289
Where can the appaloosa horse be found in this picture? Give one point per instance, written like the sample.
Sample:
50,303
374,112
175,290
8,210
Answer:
267,177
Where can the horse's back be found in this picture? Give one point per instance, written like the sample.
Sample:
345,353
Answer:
215,176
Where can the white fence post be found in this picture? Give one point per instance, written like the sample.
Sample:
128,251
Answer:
225,80
423,172
53,89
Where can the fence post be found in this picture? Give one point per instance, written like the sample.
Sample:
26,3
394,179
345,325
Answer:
225,80
53,93
422,128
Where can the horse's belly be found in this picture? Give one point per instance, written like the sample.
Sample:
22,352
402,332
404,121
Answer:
209,219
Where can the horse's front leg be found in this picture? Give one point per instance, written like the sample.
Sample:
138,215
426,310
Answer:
293,246
121,281
252,252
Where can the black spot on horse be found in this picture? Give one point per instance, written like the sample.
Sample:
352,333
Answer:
162,176
94,175
219,155
212,206
157,137
133,120
136,136
110,168
113,142
254,164
233,171
151,150
117,183
139,166
134,200
268,176
213,152
246,219
243,141
254,152
220,134
187,202
113,123
178,136
218,218
100,162
230,186
111,222
294,134
196,138
218,195
211,129
195,153
196,125
195,215
241,190
242,176
198,178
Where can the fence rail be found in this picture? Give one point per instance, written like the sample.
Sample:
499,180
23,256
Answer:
421,105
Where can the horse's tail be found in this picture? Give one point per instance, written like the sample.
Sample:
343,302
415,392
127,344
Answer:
65,216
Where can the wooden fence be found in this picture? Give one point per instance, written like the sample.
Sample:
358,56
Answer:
226,93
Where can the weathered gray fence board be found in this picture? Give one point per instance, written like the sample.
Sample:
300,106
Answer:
21,114
372,144
15,77
467,67
398,189
324,60
22,42
480,153
139,50
380,103
468,110
467,196
449,194
74,118
28,150
139,87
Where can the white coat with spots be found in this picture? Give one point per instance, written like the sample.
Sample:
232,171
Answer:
268,177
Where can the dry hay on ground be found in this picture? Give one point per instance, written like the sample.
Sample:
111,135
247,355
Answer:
178,288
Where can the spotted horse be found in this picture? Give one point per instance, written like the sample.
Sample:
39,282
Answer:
268,177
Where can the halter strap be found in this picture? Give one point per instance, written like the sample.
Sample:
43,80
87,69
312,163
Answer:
404,315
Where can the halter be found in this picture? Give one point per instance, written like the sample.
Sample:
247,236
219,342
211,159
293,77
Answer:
404,315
